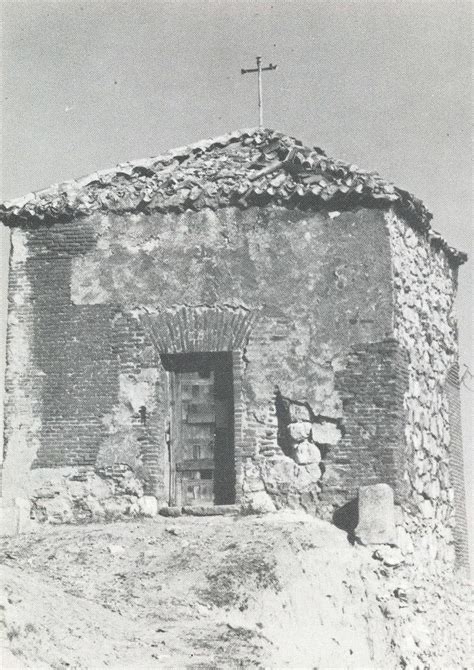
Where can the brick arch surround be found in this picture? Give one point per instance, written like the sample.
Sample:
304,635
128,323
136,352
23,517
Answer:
200,328
204,328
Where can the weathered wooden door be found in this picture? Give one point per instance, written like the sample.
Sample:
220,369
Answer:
202,431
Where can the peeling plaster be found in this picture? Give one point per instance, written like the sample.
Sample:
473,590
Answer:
22,421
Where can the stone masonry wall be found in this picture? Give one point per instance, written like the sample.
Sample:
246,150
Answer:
425,326
319,287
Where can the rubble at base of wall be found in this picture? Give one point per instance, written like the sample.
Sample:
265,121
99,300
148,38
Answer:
399,536
82,495
278,482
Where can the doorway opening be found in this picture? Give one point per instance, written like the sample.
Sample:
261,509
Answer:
202,468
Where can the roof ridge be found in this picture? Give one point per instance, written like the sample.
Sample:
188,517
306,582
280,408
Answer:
265,167
185,149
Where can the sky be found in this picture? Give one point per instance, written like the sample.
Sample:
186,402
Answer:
383,84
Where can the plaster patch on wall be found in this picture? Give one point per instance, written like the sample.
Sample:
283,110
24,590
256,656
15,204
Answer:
23,382
19,248
125,427
138,390
86,285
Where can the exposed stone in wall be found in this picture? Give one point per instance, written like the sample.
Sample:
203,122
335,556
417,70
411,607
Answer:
288,470
304,435
277,482
304,296
82,495
424,324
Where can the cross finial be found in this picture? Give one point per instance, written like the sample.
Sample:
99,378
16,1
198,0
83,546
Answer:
259,69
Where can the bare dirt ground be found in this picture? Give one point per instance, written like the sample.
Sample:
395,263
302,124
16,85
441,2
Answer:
278,591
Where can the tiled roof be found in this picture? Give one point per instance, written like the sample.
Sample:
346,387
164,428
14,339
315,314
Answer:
244,168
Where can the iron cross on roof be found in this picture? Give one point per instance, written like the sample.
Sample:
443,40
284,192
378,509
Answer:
259,69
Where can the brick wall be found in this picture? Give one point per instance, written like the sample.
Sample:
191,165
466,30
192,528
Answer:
291,293
372,388
457,467
72,346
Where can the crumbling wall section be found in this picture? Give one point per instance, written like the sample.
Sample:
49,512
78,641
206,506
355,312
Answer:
23,378
81,390
318,285
290,292
425,326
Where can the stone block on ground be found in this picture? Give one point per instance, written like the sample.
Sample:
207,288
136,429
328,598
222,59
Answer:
376,515
148,506
15,517
390,556
170,511
8,520
211,510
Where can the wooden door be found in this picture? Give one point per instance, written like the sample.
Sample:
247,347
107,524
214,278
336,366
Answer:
202,434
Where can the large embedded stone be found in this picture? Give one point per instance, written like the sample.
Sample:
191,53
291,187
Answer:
252,479
325,433
90,509
306,452
115,508
376,515
130,484
148,506
285,479
277,471
299,413
313,471
260,503
390,556
432,489
299,431
418,485
54,510
404,541
426,508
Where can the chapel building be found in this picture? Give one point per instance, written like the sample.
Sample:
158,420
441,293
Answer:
244,322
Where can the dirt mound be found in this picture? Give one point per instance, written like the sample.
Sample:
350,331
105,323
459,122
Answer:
282,590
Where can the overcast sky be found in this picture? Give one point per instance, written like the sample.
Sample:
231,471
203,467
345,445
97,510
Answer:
385,85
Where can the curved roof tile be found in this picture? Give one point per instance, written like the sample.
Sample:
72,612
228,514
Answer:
244,168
